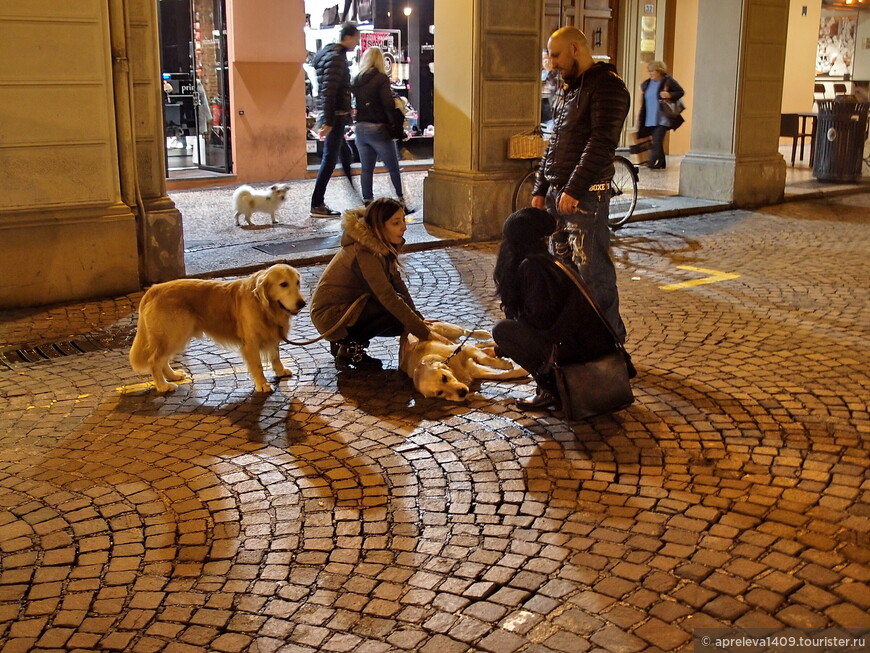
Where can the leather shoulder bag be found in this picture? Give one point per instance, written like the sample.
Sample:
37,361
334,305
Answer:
598,386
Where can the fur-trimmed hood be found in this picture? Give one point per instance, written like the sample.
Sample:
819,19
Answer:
357,231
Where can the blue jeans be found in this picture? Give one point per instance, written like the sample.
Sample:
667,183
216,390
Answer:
373,142
332,145
583,240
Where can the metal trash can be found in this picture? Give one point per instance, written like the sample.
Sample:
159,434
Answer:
839,139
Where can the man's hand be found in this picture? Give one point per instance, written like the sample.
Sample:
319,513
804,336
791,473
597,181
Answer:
539,202
323,131
567,204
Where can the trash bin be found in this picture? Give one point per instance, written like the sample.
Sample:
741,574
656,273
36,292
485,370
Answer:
839,139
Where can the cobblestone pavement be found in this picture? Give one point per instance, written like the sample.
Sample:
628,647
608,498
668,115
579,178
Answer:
345,513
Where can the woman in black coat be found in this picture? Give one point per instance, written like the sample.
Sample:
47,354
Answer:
652,122
543,307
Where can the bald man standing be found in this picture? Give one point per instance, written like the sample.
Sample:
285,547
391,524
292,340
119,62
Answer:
573,183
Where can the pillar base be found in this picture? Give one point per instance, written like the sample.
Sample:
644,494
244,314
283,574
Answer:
162,258
471,203
744,181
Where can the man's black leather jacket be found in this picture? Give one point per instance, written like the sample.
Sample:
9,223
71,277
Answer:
588,121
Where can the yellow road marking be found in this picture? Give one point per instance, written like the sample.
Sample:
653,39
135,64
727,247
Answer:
714,276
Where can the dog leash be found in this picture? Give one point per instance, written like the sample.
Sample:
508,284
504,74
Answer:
359,300
459,346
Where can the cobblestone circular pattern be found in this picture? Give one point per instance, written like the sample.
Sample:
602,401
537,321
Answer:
345,513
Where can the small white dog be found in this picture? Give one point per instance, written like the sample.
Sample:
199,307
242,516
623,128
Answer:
251,314
248,200
445,370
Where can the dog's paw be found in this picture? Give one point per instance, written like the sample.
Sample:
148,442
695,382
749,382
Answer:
282,372
264,387
175,376
165,387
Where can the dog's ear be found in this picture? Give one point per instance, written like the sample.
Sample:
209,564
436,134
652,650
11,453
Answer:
260,283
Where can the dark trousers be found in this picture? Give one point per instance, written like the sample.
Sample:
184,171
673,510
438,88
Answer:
332,145
583,241
657,151
374,322
524,345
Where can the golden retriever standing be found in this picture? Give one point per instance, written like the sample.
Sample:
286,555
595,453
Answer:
251,314
443,370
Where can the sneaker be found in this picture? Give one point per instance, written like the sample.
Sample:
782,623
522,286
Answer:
323,211
408,210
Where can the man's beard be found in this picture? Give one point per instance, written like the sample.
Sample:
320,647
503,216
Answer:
572,73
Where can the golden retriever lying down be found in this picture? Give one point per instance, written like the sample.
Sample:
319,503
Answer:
440,370
251,314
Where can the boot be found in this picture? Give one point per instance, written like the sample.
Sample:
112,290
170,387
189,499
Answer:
353,354
545,398
542,400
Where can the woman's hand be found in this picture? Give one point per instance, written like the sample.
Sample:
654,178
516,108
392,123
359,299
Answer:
665,94
437,337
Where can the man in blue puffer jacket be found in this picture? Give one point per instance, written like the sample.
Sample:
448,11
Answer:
573,183
333,99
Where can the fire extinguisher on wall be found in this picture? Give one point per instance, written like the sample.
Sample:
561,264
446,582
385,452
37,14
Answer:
216,111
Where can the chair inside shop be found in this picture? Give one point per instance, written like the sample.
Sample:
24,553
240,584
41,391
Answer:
839,89
789,127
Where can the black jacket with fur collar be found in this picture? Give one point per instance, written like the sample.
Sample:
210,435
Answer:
363,265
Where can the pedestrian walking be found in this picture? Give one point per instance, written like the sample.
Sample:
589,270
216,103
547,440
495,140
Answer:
652,120
573,182
333,99
374,108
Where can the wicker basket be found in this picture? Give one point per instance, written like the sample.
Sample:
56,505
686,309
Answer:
527,145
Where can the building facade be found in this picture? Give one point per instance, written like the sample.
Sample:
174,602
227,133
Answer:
83,204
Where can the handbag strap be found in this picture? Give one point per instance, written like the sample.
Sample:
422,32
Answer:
585,292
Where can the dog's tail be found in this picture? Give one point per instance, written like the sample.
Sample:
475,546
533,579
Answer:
140,352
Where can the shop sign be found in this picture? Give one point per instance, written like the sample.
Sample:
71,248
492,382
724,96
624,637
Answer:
386,41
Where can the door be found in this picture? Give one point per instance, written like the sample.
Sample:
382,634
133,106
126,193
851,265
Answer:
209,39
596,18
196,85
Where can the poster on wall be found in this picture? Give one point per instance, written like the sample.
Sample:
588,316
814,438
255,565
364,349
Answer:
836,49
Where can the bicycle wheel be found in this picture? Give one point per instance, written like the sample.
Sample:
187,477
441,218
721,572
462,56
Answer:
623,192
523,191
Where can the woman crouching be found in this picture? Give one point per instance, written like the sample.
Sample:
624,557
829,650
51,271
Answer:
366,265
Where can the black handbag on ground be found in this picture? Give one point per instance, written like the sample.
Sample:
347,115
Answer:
598,386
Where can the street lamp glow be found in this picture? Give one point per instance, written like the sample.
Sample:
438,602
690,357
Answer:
407,11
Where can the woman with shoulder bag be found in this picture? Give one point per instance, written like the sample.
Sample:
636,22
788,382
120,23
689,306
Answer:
544,309
652,120
374,106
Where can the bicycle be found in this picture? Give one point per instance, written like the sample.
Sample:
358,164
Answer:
623,191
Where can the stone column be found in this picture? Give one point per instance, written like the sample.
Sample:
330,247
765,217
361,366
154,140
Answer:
138,108
487,87
65,231
740,59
